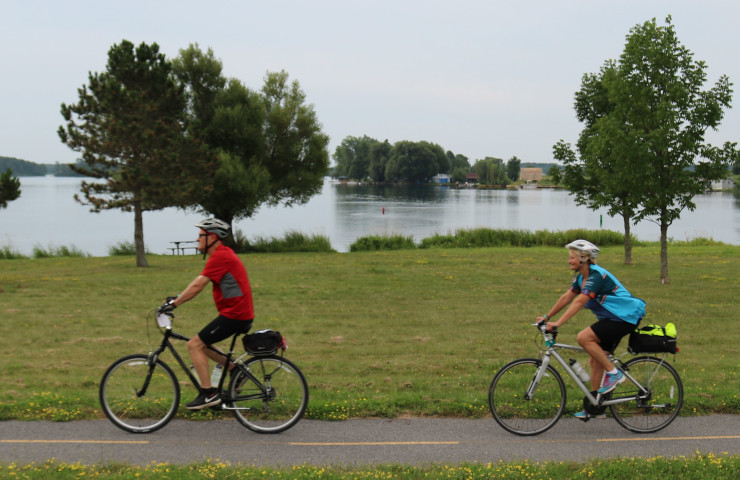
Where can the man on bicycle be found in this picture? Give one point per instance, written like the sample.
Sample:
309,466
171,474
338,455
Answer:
232,295
616,310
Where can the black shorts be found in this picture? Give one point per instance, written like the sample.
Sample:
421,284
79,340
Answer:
610,332
222,328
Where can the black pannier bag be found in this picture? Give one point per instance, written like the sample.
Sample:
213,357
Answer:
653,339
263,342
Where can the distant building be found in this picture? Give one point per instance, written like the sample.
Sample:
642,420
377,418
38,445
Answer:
441,178
726,184
530,174
472,178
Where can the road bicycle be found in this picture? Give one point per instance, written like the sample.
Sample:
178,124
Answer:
266,392
527,396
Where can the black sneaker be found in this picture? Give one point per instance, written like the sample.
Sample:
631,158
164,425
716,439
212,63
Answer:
206,398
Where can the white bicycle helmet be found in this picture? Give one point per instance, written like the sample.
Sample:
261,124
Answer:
215,226
585,247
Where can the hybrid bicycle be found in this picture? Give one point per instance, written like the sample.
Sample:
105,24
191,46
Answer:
528,396
266,392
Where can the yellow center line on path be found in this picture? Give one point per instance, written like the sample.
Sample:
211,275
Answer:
125,442
716,437
363,444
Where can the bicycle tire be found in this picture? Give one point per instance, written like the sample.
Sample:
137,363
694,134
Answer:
274,410
510,408
664,401
133,412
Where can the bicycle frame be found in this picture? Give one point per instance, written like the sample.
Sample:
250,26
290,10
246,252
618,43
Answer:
552,351
166,344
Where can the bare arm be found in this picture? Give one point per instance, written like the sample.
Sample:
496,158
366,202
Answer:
192,290
576,302
562,302
575,307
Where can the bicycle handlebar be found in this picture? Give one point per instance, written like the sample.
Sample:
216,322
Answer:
542,327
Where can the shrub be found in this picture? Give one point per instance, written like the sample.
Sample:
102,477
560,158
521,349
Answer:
63,251
123,249
384,242
7,254
486,237
292,242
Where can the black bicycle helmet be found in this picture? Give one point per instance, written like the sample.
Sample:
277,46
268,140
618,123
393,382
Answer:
215,226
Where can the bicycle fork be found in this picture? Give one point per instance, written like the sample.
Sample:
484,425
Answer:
544,363
152,364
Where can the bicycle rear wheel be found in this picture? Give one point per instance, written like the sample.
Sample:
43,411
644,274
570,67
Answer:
518,414
131,405
663,400
275,401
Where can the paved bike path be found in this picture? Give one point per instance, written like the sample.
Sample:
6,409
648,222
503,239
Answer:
414,441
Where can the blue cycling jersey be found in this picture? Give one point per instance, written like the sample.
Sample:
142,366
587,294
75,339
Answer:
608,297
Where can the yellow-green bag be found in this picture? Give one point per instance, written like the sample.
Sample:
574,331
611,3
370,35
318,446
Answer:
653,339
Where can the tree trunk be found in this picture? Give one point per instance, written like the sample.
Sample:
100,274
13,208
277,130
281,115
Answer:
139,236
664,253
627,241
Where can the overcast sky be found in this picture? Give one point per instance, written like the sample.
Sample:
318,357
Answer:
480,78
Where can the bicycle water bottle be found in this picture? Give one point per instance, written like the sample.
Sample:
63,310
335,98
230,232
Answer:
582,374
216,375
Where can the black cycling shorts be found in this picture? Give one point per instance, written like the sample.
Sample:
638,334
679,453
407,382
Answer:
610,332
222,328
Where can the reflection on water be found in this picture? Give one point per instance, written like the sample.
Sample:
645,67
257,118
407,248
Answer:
46,215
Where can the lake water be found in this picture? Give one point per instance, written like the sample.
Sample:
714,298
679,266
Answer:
47,215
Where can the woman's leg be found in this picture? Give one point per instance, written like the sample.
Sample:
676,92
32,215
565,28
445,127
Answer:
599,361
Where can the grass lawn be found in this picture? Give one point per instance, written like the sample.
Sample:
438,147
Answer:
407,332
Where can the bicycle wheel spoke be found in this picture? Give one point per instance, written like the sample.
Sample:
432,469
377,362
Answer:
656,408
509,402
274,400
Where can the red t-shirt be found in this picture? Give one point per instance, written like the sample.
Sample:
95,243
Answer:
231,290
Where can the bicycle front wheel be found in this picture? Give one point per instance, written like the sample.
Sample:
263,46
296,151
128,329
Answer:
660,404
138,397
271,397
508,400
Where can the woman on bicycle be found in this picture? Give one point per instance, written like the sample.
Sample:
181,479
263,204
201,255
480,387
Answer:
616,310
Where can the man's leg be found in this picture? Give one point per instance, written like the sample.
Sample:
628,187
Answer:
199,356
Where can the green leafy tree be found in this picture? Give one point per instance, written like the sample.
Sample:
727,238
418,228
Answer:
296,153
491,171
556,174
653,117
415,161
513,168
235,134
460,174
380,152
459,167
10,188
457,161
354,157
268,145
129,125
230,118
603,175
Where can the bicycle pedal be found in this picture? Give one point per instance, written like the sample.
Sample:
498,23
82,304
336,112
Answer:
584,419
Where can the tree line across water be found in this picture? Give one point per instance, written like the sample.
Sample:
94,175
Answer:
368,159
24,168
